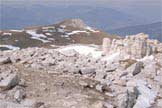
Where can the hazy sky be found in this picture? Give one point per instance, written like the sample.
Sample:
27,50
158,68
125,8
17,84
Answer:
143,8
86,1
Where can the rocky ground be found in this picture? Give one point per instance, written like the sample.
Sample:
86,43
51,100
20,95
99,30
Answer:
124,73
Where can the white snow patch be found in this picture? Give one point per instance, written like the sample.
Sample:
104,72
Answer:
92,50
146,58
111,57
48,34
76,32
34,34
16,30
83,49
53,45
63,26
37,36
90,29
6,34
61,30
66,36
11,47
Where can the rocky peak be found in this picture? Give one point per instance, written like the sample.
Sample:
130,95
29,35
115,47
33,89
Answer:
75,23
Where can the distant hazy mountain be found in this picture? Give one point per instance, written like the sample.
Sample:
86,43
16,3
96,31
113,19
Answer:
16,17
154,30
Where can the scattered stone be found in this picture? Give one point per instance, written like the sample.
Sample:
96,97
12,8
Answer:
19,95
123,74
99,87
10,81
97,104
83,83
159,103
106,88
7,104
5,60
87,70
138,67
2,96
132,97
22,83
29,103
127,62
133,80
107,105
121,100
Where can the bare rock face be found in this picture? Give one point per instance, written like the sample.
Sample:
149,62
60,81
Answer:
136,46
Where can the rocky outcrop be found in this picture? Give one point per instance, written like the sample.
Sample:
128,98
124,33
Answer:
136,46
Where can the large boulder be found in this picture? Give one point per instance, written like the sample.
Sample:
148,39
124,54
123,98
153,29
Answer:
137,69
9,81
87,71
5,60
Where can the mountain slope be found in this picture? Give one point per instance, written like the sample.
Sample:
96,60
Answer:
67,32
154,30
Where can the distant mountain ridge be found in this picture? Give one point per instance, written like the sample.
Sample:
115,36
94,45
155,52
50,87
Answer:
154,30
104,18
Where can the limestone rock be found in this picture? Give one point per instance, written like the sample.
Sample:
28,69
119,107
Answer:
108,105
5,60
127,99
159,103
87,70
7,104
10,81
30,103
97,104
135,46
138,67
106,45
19,95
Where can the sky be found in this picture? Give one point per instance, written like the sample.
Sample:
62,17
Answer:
143,8
126,2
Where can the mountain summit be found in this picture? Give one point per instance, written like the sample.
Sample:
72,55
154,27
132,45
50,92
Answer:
75,23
